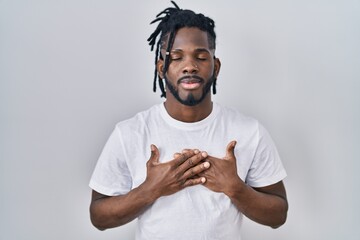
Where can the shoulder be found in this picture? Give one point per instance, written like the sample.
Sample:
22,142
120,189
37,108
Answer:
139,120
236,117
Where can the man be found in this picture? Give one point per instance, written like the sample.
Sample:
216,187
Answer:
187,168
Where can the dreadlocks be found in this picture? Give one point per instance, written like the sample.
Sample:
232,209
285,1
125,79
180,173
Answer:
170,20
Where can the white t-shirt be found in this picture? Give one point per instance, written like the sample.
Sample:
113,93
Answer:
194,212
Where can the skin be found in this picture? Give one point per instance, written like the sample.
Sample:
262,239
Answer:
190,56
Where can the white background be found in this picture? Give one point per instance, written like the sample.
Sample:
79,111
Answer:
69,70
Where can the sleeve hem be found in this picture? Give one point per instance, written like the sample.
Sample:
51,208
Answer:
104,190
269,181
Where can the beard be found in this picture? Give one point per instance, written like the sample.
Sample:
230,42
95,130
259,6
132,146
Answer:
190,100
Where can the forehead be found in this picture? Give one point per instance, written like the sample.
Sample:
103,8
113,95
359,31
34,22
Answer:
190,38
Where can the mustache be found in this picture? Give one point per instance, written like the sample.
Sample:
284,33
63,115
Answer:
190,77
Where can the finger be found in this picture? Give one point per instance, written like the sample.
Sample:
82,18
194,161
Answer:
186,150
176,155
192,161
196,151
180,159
230,150
194,181
196,170
154,158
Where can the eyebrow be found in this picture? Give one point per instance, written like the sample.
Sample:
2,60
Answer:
196,50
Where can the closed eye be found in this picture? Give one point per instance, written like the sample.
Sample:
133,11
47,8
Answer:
175,57
202,56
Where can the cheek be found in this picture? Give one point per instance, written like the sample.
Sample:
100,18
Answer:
211,71
172,71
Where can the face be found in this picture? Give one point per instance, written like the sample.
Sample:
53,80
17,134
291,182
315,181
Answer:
192,69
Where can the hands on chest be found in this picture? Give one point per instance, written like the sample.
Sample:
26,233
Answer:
192,167
266,205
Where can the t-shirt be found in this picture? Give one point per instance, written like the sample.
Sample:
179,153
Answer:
194,212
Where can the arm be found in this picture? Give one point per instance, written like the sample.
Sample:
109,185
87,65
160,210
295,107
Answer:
162,179
108,212
266,205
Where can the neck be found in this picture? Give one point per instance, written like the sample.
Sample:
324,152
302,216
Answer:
185,113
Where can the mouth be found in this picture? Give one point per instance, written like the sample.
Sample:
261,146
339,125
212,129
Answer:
190,82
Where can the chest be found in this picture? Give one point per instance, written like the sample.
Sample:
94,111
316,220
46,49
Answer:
212,140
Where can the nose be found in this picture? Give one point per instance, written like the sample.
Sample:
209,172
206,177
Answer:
190,67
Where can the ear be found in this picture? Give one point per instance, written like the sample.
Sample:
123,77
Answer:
217,66
160,67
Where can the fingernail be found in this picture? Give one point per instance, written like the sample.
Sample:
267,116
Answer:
203,180
204,154
206,164
196,151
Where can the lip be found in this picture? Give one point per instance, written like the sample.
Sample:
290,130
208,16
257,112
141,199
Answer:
190,83
190,78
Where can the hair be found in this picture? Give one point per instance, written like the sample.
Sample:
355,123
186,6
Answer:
170,20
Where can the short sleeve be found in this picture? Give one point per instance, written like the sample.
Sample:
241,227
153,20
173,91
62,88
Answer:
266,168
111,175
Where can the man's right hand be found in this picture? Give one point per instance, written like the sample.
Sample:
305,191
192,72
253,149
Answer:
170,177
162,179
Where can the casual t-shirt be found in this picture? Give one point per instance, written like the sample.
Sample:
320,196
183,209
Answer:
194,212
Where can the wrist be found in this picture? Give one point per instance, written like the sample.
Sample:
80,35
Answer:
235,188
148,192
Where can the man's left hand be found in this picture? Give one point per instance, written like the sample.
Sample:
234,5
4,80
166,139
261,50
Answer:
222,174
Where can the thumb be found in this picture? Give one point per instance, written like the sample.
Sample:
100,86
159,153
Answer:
230,150
154,158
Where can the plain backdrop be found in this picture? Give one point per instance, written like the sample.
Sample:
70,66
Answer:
70,70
